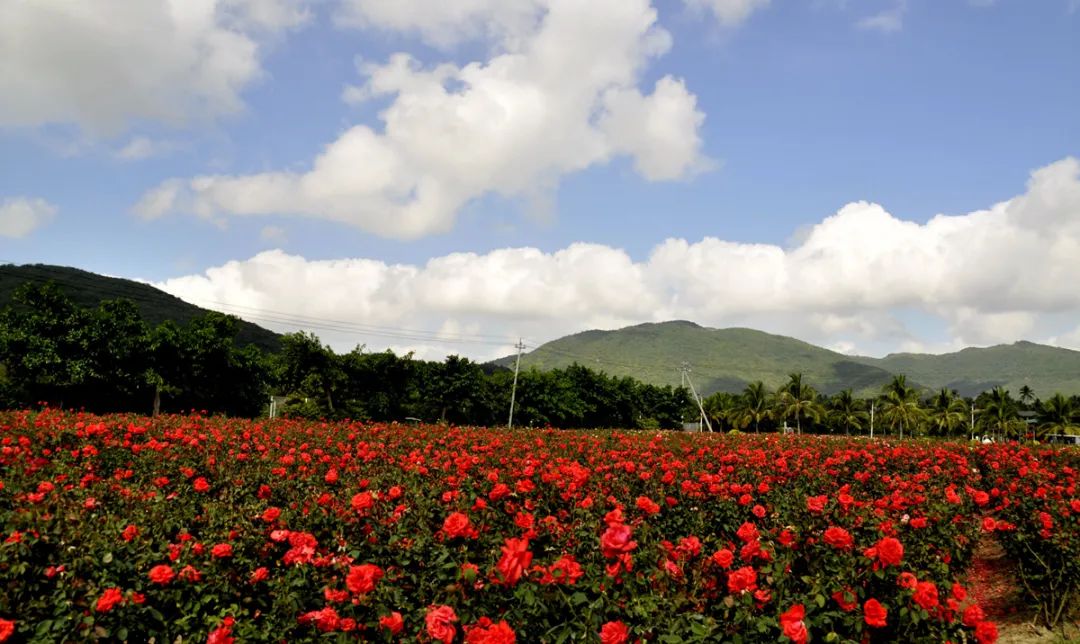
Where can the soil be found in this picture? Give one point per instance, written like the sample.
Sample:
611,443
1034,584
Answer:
992,582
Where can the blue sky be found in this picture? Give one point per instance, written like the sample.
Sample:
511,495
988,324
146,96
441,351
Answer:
774,116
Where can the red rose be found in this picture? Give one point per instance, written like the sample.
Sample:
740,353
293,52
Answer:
874,613
457,525
989,524
362,579
271,514
973,615
161,574
986,633
747,532
259,574
926,595
392,622
362,501
614,633
440,623
222,634
742,580
110,598
723,558
129,533
201,485
838,538
515,560
846,599
485,632
647,505
791,622
221,551
616,540
906,580
816,504
889,551
7,629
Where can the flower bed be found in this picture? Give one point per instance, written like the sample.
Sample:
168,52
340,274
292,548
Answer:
123,527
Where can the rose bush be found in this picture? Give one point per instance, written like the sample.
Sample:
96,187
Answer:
127,528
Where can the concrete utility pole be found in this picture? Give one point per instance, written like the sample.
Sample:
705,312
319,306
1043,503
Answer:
973,410
686,380
513,391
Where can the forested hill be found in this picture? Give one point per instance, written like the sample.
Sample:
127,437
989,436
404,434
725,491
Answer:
728,359
155,306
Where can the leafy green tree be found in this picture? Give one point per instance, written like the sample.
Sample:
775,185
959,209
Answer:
752,407
1027,396
947,413
999,413
798,400
847,411
722,409
1058,415
900,408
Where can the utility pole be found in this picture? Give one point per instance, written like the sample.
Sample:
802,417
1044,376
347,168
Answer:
513,391
701,408
973,420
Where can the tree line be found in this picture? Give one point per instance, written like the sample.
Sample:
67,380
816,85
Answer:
107,358
900,409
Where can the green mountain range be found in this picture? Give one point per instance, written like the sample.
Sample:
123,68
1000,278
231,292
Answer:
728,359
88,289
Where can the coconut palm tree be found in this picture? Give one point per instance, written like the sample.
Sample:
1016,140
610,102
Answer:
1027,396
900,407
847,411
720,407
797,400
1058,415
752,407
1000,413
947,412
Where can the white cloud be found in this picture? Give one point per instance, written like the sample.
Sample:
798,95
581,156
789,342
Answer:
988,276
101,65
141,147
888,21
558,94
729,13
20,216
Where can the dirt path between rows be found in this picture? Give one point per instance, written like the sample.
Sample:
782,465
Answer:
993,584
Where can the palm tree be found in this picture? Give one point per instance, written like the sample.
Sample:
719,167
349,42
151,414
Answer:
1027,396
753,406
1000,413
1057,415
900,406
947,412
720,408
847,411
797,400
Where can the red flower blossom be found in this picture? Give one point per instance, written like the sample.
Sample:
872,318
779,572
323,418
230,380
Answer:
392,622
742,580
791,623
439,622
846,599
926,595
614,633
458,525
221,551
973,615
647,505
110,598
816,504
514,561
874,613
7,629
838,538
362,579
888,551
161,574
723,558
201,485
485,632
129,533
986,633
616,540
222,634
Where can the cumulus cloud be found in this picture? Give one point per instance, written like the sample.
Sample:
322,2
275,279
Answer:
729,13
560,92
141,147
101,65
987,276
888,20
20,216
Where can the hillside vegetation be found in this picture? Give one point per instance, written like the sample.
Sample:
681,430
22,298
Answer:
729,359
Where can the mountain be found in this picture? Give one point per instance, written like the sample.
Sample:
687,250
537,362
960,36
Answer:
728,359
88,289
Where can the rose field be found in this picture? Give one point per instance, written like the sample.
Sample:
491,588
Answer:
183,528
